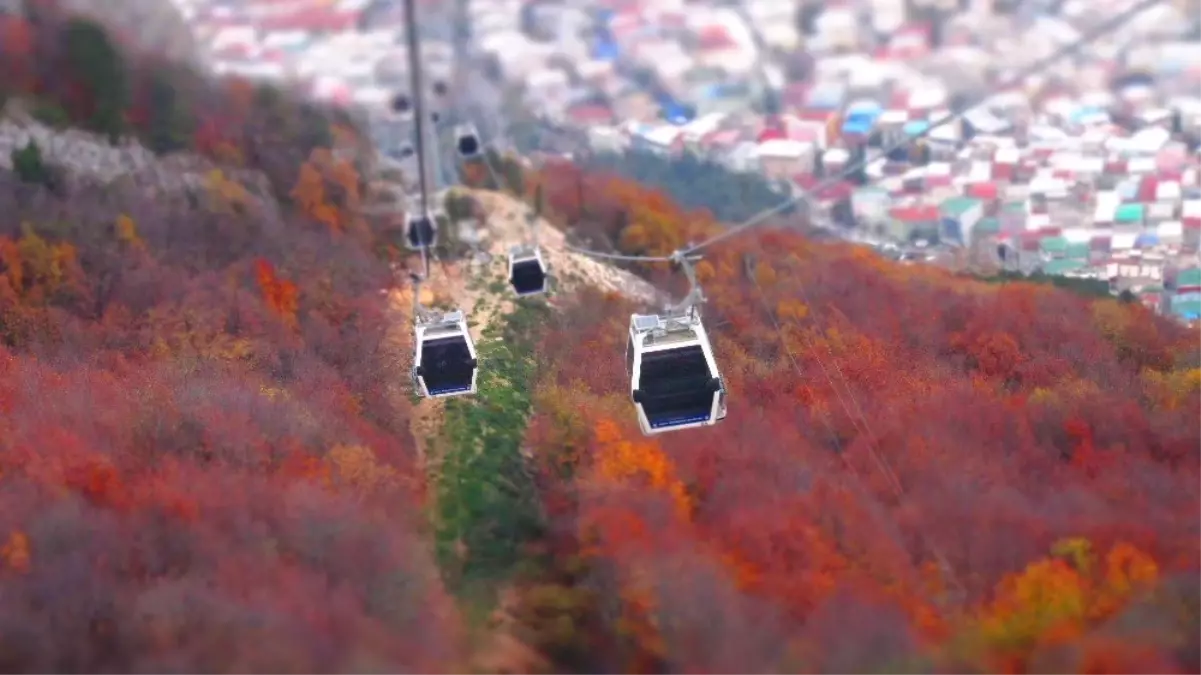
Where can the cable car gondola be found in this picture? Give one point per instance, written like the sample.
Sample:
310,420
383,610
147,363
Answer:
467,141
527,270
445,364
401,104
674,380
421,230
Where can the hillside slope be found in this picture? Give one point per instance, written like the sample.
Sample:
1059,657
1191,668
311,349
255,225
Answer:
963,475
205,457
210,460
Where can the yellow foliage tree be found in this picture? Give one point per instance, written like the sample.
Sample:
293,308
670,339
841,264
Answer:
227,192
15,552
620,460
310,195
651,232
356,466
1055,599
127,233
36,269
792,310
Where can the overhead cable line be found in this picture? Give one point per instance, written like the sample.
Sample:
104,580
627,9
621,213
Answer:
1088,38
417,84
445,362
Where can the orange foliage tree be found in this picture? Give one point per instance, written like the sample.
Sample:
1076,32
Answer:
281,295
897,435
327,190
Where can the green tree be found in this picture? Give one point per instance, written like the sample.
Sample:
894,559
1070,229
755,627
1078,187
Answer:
96,64
459,206
30,166
171,126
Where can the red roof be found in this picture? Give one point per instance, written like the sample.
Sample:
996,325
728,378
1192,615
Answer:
312,19
770,134
982,190
920,213
714,37
840,190
597,114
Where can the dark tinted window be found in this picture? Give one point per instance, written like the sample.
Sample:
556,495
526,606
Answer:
468,145
528,277
446,365
421,232
675,387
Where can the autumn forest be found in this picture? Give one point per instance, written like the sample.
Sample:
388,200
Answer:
208,461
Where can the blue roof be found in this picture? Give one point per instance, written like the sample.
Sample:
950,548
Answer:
676,114
1085,111
916,127
606,51
856,126
1147,239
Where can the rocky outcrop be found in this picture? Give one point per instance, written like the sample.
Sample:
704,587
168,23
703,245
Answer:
83,157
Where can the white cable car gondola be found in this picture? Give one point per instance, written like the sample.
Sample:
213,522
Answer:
445,362
674,380
527,270
467,141
421,230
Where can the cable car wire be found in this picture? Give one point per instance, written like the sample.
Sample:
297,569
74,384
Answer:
861,424
1089,37
528,269
445,362
1096,33
618,256
417,96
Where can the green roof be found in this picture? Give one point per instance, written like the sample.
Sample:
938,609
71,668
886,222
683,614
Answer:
1058,267
1014,207
988,226
1053,245
1077,251
1129,213
957,206
1189,277
1190,308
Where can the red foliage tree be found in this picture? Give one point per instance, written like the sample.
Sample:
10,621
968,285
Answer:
902,443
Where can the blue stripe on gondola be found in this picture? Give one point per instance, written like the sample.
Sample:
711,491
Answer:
679,421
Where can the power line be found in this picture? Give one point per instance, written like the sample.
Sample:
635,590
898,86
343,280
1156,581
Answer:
617,256
1096,33
861,424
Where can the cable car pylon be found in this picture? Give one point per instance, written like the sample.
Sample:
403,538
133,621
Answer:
675,383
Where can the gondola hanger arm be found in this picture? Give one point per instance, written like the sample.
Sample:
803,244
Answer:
696,295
